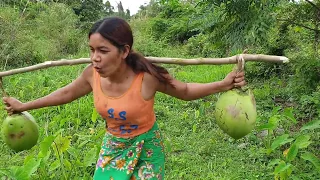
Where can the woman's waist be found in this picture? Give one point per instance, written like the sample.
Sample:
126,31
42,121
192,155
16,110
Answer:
129,129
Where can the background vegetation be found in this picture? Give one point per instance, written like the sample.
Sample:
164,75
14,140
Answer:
285,143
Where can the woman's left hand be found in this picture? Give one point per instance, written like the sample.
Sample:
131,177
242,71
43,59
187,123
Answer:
233,80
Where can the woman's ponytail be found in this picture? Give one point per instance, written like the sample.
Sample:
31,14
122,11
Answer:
140,64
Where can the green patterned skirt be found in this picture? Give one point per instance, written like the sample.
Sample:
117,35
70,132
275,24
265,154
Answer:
141,157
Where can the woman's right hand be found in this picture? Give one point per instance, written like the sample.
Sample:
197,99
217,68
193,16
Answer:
12,105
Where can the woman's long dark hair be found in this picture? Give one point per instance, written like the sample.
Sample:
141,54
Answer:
119,33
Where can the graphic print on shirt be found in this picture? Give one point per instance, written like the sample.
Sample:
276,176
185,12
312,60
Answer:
121,117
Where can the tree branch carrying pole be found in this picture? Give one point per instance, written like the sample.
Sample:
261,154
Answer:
179,61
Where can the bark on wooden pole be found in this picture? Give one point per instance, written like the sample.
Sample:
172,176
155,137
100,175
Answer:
164,60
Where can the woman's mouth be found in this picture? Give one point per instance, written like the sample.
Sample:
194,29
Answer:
98,69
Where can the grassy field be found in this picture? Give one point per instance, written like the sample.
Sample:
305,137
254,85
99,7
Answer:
71,134
285,143
195,147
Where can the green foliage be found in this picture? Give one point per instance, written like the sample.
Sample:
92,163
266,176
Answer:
227,25
307,72
285,143
61,30
284,165
148,45
172,23
310,104
90,11
65,136
272,124
52,34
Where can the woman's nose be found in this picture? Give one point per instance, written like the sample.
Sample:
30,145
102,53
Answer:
96,57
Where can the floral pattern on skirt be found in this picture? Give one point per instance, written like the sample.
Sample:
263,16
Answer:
138,158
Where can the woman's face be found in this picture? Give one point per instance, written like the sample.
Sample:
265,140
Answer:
106,58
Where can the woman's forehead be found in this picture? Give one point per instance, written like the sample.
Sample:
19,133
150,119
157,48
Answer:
97,39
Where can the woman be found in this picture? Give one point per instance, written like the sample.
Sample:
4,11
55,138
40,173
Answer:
124,85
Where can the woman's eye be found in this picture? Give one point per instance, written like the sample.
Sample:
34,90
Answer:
104,51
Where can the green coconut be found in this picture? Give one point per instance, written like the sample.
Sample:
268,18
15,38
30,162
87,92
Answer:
236,113
20,131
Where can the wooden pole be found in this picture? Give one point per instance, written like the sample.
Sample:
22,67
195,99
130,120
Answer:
179,61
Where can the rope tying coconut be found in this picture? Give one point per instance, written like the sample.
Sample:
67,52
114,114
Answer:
241,63
240,66
235,110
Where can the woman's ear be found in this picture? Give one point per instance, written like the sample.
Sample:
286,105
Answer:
126,51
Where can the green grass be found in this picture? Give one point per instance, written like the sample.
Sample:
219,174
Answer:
195,146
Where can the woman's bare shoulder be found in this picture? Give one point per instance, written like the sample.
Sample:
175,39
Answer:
149,79
149,86
88,73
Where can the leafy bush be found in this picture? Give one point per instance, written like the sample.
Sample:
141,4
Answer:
58,25
52,34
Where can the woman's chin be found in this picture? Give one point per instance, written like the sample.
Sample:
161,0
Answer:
104,74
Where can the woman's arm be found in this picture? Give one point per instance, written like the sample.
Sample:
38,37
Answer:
76,89
192,91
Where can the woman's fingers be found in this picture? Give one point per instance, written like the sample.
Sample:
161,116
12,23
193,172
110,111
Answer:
238,79
240,84
9,108
240,74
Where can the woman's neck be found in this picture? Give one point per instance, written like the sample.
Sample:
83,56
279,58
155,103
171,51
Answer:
121,74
